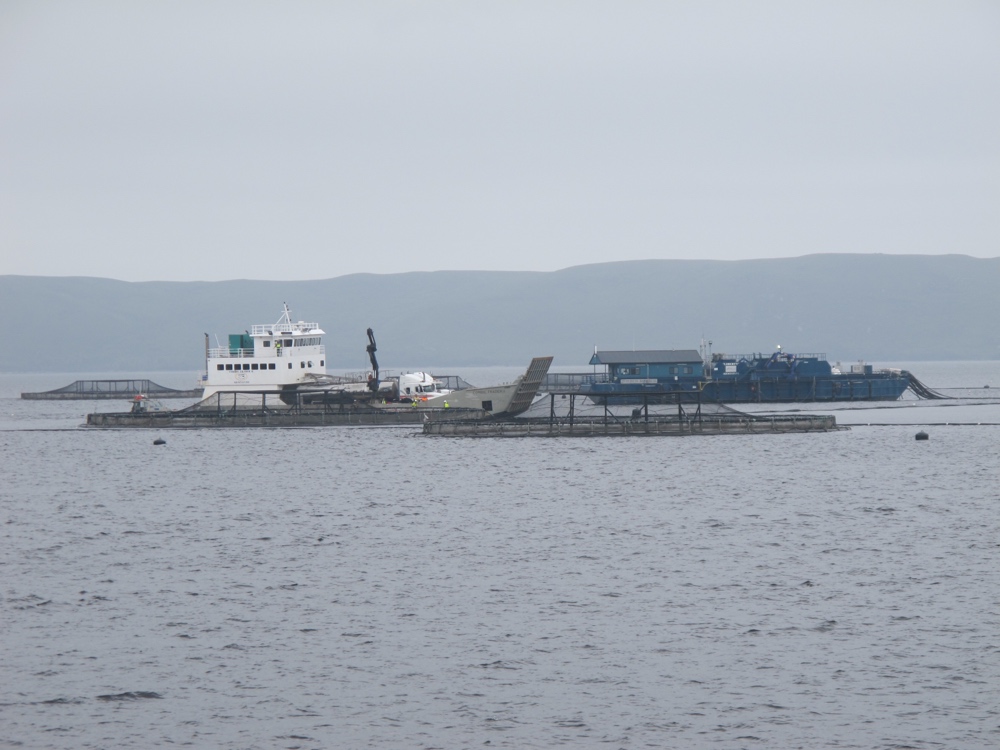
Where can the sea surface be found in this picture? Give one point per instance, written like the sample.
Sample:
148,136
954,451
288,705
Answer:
373,588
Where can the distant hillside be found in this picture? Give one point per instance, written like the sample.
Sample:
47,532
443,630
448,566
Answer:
873,307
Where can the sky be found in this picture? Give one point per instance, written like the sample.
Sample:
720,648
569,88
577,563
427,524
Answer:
307,140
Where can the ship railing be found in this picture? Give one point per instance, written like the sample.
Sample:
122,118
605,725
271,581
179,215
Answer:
571,380
281,328
224,352
766,355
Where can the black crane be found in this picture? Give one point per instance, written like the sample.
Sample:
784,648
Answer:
372,381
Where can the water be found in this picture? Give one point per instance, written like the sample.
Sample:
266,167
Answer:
365,587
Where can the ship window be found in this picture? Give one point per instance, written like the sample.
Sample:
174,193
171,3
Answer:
246,365
321,363
289,365
253,366
220,367
302,365
310,364
267,343
229,367
288,342
487,406
688,370
673,370
270,365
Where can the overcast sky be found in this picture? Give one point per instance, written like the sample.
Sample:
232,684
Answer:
296,140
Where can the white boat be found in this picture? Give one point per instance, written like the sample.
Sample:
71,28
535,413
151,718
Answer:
272,357
289,358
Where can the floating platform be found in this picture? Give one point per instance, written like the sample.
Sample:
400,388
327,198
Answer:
569,414
266,409
83,390
749,424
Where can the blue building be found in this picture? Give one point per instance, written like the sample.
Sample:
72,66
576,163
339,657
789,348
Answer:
649,366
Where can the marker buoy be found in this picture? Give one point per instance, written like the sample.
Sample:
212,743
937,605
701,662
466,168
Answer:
159,441
922,435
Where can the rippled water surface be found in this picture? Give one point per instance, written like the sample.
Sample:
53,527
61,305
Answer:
363,587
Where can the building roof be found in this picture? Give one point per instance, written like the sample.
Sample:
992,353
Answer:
646,357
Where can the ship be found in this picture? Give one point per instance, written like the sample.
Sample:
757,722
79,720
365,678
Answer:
278,356
288,357
779,376
283,365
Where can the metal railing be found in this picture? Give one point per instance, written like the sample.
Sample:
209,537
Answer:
282,328
719,357
224,352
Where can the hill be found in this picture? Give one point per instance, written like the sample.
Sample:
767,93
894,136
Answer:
873,307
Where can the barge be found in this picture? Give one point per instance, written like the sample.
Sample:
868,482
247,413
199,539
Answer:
630,376
274,375
289,359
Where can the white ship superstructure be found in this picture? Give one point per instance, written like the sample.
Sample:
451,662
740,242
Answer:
269,357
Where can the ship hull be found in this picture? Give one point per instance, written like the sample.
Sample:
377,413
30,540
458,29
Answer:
758,390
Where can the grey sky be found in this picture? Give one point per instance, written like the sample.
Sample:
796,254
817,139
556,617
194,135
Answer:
293,140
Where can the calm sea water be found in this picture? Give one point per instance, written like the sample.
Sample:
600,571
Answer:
366,587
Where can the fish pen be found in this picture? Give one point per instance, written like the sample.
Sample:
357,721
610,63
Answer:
274,409
111,389
570,414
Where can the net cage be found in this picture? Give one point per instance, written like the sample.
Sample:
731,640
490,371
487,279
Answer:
580,408
124,387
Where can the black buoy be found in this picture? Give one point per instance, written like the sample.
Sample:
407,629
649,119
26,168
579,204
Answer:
922,435
159,441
